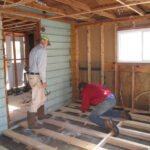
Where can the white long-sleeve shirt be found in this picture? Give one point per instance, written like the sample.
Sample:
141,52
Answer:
38,61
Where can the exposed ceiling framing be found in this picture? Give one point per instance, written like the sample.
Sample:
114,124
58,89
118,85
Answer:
77,11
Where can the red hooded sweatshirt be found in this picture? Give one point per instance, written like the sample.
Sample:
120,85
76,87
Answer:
93,94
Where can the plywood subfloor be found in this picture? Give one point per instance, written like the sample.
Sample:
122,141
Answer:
70,129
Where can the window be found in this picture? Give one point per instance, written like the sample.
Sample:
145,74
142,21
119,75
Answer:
134,46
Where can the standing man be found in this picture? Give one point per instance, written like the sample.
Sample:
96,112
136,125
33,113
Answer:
37,80
104,101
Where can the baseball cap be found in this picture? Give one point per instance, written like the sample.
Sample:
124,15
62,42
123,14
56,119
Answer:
44,37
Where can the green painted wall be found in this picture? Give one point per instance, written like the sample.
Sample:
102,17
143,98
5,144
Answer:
58,67
3,112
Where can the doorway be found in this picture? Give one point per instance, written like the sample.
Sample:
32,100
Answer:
19,37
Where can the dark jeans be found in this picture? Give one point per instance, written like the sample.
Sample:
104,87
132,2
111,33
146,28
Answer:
104,109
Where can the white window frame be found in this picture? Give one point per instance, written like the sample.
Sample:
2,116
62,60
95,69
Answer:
132,30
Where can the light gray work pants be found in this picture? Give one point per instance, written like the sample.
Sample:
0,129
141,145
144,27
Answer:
38,95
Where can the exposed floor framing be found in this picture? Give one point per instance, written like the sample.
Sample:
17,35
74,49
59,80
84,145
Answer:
133,135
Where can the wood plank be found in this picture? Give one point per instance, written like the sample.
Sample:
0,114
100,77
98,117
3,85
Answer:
15,64
62,137
111,140
134,8
77,60
135,134
14,4
103,142
134,116
106,14
45,8
3,148
76,4
137,125
102,54
116,66
27,140
133,87
140,117
89,52
107,7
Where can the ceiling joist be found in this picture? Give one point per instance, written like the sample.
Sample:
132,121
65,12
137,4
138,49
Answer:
14,4
133,8
75,4
106,14
45,8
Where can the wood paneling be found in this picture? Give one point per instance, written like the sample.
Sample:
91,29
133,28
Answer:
58,67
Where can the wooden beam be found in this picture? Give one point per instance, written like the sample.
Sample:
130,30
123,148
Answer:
77,60
20,17
116,66
12,24
137,125
15,63
106,14
102,54
65,138
133,87
22,25
134,8
45,8
14,4
36,15
76,4
135,134
8,20
27,140
107,7
134,116
111,140
89,53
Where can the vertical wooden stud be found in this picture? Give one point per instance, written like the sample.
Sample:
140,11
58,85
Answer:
77,60
89,52
116,65
102,54
133,86
15,64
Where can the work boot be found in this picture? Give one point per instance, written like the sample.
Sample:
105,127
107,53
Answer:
112,126
40,113
31,118
126,115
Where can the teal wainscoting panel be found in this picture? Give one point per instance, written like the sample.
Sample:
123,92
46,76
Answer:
58,59
58,73
58,64
3,113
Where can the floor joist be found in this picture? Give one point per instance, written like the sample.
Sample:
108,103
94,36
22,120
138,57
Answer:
27,140
111,140
68,139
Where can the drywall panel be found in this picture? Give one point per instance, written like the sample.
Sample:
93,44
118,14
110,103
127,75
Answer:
58,67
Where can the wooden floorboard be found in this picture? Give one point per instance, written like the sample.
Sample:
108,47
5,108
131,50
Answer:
27,140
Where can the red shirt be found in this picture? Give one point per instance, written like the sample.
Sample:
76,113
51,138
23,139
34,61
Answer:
93,94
